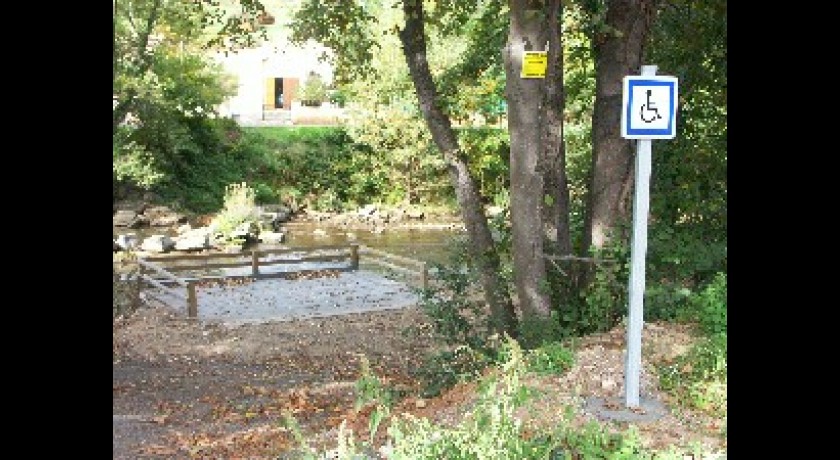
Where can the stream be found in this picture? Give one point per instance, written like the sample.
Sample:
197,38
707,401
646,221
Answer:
427,243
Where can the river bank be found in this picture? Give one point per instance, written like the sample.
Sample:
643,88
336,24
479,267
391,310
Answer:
427,236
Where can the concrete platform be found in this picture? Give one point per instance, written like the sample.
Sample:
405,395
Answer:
279,299
615,409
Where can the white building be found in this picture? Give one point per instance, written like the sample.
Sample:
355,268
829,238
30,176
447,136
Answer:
264,73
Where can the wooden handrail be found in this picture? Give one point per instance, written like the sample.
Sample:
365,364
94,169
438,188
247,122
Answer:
190,297
255,260
388,255
161,272
422,269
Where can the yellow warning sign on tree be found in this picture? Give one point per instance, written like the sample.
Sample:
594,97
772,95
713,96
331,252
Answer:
534,64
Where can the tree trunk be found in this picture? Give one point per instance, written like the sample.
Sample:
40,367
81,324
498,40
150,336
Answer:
481,241
527,184
618,53
556,214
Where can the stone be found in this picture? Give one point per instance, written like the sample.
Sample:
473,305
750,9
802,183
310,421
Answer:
272,237
124,217
157,243
127,241
192,241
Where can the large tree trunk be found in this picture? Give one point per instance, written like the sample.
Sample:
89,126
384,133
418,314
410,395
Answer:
556,212
481,241
618,53
527,184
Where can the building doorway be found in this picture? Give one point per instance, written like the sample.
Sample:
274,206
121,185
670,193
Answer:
279,97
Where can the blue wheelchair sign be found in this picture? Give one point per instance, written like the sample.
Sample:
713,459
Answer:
649,107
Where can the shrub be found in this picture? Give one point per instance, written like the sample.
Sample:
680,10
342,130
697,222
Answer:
313,91
551,358
491,430
239,209
711,306
460,320
263,193
698,379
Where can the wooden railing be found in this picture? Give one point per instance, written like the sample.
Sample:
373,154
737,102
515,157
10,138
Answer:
259,258
184,287
409,266
189,297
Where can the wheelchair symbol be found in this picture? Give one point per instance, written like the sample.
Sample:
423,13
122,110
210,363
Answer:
649,108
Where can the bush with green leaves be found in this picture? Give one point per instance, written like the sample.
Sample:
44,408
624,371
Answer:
698,379
371,390
491,429
552,358
313,91
598,306
459,320
316,167
239,211
710,306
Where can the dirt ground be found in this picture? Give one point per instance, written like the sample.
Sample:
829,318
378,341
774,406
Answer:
184,389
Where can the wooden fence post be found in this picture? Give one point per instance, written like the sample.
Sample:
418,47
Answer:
138,288
425,275
354,256
192,300
255,263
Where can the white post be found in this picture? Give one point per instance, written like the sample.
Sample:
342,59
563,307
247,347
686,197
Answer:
641,200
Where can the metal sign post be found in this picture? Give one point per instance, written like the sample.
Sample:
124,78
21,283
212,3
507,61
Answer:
649,112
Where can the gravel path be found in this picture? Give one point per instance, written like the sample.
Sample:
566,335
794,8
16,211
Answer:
328,292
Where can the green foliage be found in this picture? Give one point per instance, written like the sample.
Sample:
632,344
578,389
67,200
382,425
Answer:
550,358
401,151
600,305
239,209
698,379
370,390
313,91
598,442
132,163
263,193
491,429
488,150
341,26
535,332
166,91
170,121
200,158
688,231
447,368
457,317
319,167
460,320
337,97
470,35
710,305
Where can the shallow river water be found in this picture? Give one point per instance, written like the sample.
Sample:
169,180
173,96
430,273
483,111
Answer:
427,243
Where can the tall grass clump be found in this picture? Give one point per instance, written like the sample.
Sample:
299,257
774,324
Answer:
238,217
699,378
